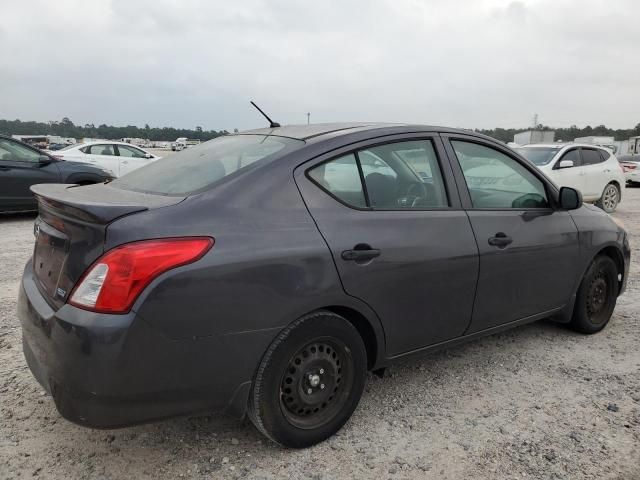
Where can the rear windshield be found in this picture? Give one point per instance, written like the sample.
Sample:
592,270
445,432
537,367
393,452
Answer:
538,155
196,168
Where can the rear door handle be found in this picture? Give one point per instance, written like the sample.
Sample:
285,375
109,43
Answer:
500,240
360,253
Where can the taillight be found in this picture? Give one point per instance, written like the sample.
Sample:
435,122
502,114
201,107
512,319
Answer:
115,280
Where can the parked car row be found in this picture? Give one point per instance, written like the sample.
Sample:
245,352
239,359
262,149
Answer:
22,166
118,158
264,273
631,167
592,170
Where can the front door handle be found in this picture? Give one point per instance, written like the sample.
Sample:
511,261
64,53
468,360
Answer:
360,253
4,168
500,240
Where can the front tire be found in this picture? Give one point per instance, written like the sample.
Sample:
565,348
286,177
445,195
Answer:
310,381
610,198
596,296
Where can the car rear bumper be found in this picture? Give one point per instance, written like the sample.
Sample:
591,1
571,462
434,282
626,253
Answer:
107,371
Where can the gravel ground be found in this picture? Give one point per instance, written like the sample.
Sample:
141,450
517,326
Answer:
535,402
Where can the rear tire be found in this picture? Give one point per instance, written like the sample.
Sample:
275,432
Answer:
310,381
596,296
610,198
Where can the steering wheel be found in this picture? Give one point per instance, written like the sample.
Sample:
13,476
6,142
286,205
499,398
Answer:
416,191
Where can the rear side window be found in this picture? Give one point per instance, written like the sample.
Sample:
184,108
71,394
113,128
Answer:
590,156
604,154
399,175
197,168
341,178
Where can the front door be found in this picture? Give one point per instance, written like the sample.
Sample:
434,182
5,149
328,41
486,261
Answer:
131,159
21,167
528,249
573,176
399,238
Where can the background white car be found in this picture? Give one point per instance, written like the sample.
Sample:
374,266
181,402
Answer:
595,171
118,158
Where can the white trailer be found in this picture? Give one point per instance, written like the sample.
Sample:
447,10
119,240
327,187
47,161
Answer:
534,136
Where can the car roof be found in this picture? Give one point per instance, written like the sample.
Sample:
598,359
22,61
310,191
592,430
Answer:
559,145
320,131
104,142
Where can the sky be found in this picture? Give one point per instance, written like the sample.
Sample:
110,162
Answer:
187,63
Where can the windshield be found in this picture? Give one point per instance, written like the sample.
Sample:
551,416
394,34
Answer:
538,155
196,168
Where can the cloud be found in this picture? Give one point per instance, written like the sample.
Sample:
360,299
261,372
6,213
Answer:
471,63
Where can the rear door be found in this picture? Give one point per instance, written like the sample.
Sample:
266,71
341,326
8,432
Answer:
20,167
597,172
528,249
401,242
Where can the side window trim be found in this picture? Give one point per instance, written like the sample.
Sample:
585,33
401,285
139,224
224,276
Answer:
461,182
363,183
442,158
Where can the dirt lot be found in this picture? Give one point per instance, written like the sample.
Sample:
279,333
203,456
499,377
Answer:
535,402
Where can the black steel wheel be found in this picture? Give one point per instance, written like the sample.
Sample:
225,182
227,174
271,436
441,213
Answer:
309,381
596,296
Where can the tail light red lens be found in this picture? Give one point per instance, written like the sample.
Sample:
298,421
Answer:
115,280
627,167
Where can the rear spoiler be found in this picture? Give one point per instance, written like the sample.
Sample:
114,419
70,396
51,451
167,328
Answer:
99,203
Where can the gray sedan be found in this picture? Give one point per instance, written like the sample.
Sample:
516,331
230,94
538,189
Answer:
265,272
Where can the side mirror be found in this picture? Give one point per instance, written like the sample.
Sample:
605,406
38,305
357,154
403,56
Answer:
565,164
570,198
44,160
148,155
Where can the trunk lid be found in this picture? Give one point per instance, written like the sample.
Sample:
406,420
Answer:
71,228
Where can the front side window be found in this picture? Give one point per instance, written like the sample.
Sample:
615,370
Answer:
496,180
590,156
101,150
14,152
400,175
572,155
126,151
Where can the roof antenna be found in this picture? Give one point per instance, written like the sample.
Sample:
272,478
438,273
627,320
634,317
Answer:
272,124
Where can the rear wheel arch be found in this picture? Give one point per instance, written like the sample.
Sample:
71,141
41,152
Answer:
364,328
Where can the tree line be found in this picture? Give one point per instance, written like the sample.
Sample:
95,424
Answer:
565,134
66,128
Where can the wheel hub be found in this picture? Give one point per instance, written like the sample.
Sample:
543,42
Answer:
311,382
597,296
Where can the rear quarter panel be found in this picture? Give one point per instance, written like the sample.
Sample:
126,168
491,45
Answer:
268,267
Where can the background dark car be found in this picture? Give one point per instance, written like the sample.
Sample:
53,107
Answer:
22,166
264,273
